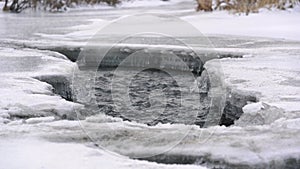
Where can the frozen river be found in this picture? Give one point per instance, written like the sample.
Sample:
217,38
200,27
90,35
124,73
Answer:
235,76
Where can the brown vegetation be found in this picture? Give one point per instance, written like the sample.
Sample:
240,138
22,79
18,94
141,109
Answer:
51,5
205,5
239,6
246,6
6,7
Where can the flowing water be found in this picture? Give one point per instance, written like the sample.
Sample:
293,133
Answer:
153,96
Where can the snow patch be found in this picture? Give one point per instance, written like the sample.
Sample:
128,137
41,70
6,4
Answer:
40,120
275,24
253,108
33,153
22,96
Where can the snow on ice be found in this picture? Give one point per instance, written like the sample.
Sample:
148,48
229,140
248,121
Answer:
267,135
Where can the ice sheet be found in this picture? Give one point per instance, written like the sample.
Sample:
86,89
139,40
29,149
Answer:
24,96
33,153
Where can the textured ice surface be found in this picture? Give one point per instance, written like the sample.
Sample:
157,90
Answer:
269,68
273,75
261,146
22,95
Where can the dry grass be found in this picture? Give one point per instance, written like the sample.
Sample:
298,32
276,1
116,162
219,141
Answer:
248,6
52,5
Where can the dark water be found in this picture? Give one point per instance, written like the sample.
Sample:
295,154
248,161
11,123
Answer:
148,96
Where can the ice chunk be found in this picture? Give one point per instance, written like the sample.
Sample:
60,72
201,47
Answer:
39,119
23,96
259,114
253,108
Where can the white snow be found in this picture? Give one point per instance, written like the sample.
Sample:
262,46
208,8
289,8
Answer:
253,107
23,96
270,136
273,75
33,153
250,145
34,63
272,24
148,3
40,119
